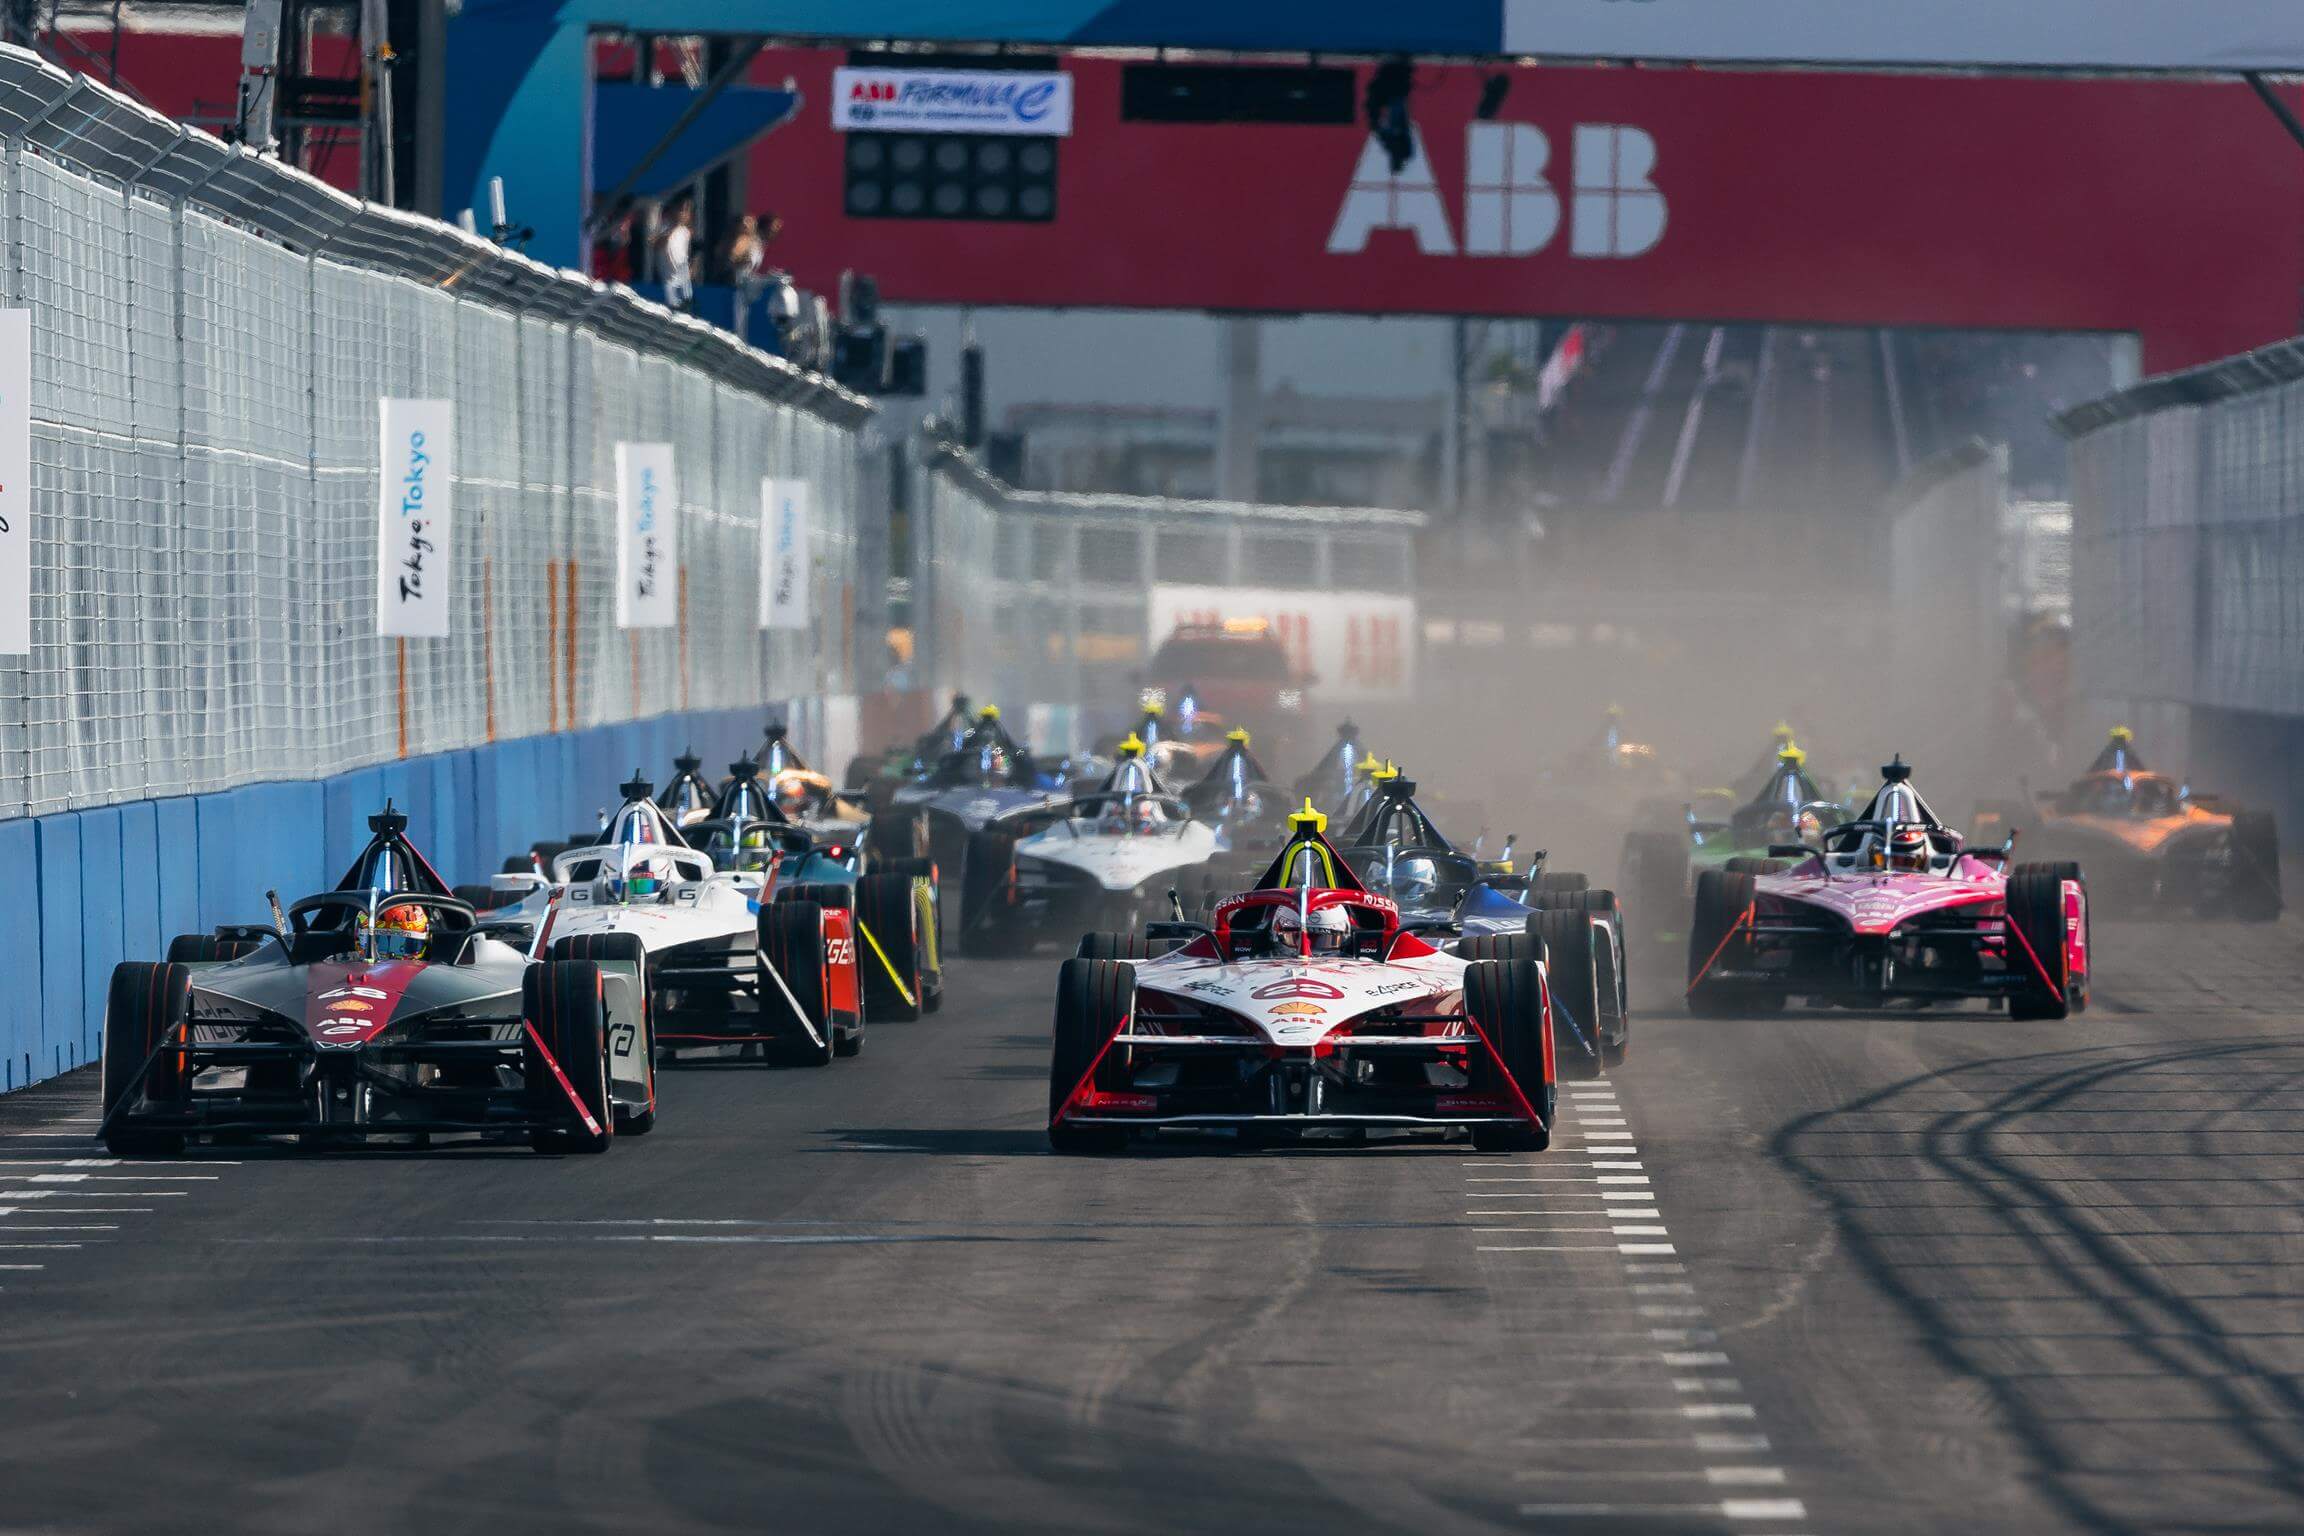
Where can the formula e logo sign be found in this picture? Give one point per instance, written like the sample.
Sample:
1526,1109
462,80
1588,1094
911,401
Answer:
952,101
413,575
1512,202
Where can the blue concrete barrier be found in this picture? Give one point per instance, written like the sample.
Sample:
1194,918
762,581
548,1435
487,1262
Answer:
116,883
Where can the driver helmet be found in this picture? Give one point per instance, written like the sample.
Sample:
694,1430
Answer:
753,847
642,879
1326,928
1414,879
1908,848
791,795
992,765
399,932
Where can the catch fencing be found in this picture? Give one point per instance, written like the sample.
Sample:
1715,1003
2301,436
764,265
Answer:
211,334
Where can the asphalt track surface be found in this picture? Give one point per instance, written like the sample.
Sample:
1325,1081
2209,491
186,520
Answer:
1822,1273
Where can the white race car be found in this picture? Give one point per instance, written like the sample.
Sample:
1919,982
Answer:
1307,1005
725,957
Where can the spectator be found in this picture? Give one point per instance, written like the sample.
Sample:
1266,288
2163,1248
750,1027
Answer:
739,256
678,250
612,253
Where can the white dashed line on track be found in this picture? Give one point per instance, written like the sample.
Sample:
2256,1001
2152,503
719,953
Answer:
1621,1196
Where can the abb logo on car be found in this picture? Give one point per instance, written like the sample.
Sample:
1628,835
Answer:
1511,206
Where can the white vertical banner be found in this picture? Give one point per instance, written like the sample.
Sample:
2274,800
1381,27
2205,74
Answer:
647,537
415,567
15,482
784,564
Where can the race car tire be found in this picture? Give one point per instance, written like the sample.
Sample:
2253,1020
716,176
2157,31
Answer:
1547,889
204,948
2256,894
1114,946
1505,998
562,1004
791,938
519,864
1752,864
1092,998
1653,873
484,898
146,1002
987,923
624,948
835,894
894,838
2036,913
1503,946
889,943
1722,901
1578,1053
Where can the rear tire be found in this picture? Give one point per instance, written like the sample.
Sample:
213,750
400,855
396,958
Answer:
894,838
886,910
1580,1052
204,948
145,1004
2036,911
1503,946
1092,998
561,1002
988,921
1505,998
2256,896
1114,946
791,937
1548,888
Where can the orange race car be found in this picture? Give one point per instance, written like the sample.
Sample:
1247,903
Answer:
2147,841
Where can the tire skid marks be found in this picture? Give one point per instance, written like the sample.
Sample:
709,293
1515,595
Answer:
1592,1196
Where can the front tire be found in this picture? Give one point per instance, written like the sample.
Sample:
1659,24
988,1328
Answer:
791,937
1724,904
888,940
1575,979
625,949
562,1005
147,1004
1093,997
2035,898
1505,998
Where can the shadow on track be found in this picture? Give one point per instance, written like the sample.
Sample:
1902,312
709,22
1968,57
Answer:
2091,1235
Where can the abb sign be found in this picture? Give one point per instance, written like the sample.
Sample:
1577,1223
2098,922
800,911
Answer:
1511,207
2169,208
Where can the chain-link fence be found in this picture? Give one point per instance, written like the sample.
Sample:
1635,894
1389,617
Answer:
2188,538
211,334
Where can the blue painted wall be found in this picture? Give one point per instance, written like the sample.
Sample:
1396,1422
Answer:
90,889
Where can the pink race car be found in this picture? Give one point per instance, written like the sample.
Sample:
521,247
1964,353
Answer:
1892,909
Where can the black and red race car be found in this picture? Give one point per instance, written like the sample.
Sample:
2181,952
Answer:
385,1008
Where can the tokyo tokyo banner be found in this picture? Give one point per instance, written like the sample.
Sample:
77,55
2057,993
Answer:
648,537
784,563
415,555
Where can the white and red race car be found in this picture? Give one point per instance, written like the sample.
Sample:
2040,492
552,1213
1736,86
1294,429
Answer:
1305,1006
1891,910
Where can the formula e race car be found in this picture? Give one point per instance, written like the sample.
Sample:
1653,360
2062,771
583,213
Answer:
2148,842
1306,1006
1892,909
1108,862
1658,867
385,1008
737,957
1442,890
895,895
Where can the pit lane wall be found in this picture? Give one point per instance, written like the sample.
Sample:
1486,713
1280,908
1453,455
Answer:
2188,573
206,709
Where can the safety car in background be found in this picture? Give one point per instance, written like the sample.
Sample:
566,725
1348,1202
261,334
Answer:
385,1008
1307,1005
1893,909
2149,843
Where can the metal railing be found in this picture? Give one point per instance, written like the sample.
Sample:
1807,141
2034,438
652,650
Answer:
211,334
